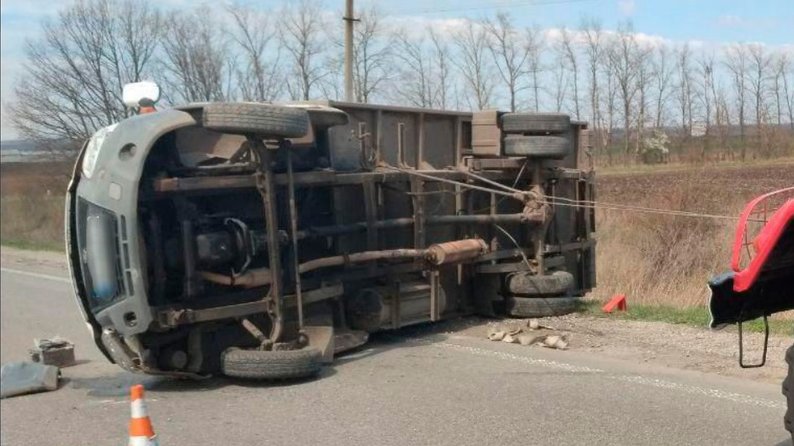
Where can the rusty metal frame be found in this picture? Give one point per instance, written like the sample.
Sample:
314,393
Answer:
266,187
307,179
174,317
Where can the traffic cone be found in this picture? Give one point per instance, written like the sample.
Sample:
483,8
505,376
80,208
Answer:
618,301
141,431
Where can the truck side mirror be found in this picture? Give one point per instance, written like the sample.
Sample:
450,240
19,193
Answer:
146,91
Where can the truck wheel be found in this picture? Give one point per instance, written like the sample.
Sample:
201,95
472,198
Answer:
540,306
254,118
535,123
555,284
788,386
276,364
555,147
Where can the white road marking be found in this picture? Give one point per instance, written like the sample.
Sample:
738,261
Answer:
705,391
517,358
36,275
633,379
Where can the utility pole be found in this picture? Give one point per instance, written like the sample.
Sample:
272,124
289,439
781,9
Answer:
349,20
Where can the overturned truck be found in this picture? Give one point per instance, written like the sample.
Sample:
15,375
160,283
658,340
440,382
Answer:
259,240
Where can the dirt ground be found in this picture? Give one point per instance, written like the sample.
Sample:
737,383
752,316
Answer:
675,346
719,186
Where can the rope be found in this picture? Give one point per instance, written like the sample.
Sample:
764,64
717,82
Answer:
456,183
566,202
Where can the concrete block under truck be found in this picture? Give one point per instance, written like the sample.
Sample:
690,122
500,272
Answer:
761,280
259,240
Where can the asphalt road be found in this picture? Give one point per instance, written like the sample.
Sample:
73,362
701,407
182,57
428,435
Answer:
414,387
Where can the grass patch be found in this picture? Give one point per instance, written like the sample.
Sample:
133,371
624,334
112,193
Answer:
685,167
32,221
33,245
694,316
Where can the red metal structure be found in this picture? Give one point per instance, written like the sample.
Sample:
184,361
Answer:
761,227
761,280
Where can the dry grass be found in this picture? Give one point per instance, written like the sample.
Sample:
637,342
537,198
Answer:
667,260
31,205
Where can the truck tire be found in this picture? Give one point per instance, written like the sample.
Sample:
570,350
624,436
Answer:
557,283
521,123
257,119
540,306
554,147
276,364
788,386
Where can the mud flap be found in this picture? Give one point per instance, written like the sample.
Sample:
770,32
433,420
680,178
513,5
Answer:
321,337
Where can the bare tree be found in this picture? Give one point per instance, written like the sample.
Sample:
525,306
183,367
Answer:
560,83
609,99
684,96
706,94
260,76
195,58
663,70
371,56
571,61
736,61
76,70
534,49
301,36
440,71
509,54
415,72
474,65
783,69
760,63
779,62
423,69
645,75
722,116
623,62
593,49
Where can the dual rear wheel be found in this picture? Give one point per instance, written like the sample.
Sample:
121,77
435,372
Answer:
537,135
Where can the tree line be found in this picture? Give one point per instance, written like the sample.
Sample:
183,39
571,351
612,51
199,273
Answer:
710,102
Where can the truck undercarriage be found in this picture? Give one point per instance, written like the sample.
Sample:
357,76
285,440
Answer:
244,245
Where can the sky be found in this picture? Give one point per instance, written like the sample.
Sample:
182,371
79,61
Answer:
770,22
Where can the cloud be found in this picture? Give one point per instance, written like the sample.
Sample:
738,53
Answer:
419,25
737,22
627,7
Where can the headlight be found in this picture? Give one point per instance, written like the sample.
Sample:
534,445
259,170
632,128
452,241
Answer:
92,149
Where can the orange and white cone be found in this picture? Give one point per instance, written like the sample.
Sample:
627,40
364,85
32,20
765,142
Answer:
141,431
